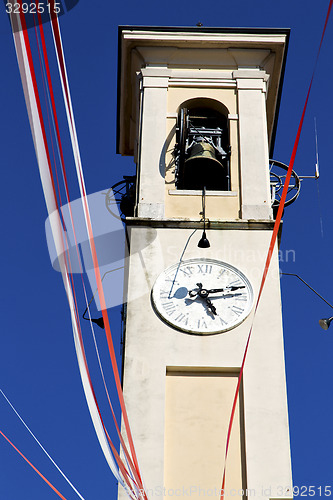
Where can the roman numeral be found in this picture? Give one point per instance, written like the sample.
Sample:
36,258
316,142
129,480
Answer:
169,308
187,271
242,298
204,268
235,283
221,272
181,318
171,280
237,310
202,323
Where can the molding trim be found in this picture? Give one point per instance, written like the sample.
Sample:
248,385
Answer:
197,192
262,225
201,82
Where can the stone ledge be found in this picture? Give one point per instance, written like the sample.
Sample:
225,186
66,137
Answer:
241,224
198,192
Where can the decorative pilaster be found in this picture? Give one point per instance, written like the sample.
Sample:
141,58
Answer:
152,151
253,149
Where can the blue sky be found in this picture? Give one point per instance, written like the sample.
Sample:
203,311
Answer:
38,367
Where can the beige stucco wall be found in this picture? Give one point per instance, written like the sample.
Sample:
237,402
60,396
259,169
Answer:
161,70
196,429
243,94
152,346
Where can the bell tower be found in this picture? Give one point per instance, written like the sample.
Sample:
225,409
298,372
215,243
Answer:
197,109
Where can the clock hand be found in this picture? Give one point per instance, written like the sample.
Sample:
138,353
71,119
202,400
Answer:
227,289
202,292
231,295
194,293
211,307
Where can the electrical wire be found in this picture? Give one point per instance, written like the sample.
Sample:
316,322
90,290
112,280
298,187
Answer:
41,446
317,180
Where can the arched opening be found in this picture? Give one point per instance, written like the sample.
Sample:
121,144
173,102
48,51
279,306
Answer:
202,148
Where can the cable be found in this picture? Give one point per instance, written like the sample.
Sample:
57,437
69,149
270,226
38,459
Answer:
180,260
317,179
35,468
41,446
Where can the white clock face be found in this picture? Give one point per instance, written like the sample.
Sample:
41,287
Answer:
202,296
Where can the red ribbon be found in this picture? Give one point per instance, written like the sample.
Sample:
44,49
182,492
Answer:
272,244
137,481
61,60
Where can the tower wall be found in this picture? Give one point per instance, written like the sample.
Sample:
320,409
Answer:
179,386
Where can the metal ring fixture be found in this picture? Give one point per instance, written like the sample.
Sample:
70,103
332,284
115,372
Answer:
120,198
278,174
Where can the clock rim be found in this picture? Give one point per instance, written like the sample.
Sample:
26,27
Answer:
206,260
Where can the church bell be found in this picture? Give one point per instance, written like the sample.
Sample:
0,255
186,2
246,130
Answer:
202,168
203,158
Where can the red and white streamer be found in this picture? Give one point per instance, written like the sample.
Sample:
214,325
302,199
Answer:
80,176
24,56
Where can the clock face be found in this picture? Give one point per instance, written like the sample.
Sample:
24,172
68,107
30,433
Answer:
202,296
